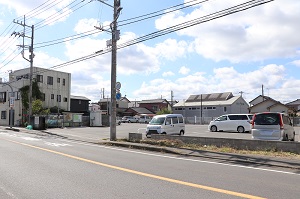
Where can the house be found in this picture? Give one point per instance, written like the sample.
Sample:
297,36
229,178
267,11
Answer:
55,87
79,104
209,106
294,106
155,105
266,104
132,111
121,105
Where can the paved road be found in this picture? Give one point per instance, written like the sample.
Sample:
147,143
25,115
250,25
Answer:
34,166
96,133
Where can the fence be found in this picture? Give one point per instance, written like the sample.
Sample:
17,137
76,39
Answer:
198,120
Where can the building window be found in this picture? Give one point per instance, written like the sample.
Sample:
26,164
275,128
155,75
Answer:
52,96
79,101
58,98
49,80
3,115
65,99
155,108
64,82
43,96
3,97
39,78
58,80
225,109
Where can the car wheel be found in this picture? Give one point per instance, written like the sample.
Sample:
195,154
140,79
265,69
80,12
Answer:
213,128
241,129
181,132
129,121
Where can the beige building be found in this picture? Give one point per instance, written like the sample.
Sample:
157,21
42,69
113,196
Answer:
55,86
266,104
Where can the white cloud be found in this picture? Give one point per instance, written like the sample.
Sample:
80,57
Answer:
266,31
50,12
171,49
184,70
296,63
225,79
169,73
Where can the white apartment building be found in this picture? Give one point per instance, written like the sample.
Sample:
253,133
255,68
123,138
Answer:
55,86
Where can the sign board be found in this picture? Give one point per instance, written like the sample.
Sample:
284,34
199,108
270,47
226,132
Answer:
118,85
11,101
118,96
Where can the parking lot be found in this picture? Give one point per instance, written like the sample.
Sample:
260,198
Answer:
96,133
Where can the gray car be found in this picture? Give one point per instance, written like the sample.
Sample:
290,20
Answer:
272,126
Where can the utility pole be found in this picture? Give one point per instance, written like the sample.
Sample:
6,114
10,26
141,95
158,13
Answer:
31,56
241,92
113,99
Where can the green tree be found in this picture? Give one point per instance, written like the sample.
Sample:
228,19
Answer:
36,94
163,111
37,108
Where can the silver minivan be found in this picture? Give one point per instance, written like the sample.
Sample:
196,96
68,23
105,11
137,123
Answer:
166,124
272,126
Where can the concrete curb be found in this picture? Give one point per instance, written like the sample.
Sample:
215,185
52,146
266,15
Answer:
229,158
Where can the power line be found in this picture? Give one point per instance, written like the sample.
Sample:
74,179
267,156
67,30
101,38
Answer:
57,41
190,23
219,14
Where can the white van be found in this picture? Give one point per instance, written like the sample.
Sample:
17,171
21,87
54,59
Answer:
231,122
166,124
144,119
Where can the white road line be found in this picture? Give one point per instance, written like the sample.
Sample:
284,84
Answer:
185,159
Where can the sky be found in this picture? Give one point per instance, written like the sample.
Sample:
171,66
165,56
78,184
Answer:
249,53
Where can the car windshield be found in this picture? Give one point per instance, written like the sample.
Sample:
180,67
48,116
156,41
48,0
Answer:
157,120
267,119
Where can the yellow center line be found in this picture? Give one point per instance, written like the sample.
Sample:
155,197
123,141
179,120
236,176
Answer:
142,173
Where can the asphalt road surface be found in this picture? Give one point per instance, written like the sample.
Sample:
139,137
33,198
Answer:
35,166
96,133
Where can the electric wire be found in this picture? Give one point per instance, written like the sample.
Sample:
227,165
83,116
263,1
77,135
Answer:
210,17
190,23
167,10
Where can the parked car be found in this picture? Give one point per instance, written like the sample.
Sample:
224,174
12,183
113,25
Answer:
144,119
272,126
166,124
129,119
231,122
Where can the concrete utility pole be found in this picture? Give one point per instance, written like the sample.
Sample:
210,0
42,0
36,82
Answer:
115,36
113,43
31,56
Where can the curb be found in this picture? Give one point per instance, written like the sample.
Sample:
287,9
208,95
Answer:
234,158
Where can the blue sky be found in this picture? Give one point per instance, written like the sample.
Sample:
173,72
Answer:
235,53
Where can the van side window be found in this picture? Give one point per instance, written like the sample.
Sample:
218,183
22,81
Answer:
233,117
168,121
175,120
222,118
180,119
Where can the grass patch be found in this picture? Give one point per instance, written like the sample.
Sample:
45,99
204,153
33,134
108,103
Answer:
224,149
